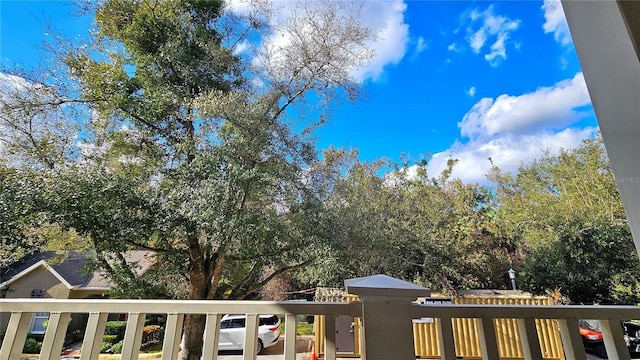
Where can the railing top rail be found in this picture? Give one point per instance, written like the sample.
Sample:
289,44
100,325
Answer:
326,308
178,306
527,311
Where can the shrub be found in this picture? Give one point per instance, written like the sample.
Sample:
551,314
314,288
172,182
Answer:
111,339
105,347
73,337
155,319
151,335
31,346
37,337
115,328
116,348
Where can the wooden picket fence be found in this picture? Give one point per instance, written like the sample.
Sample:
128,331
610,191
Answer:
467,343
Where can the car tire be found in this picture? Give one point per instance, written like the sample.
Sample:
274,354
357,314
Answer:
260,347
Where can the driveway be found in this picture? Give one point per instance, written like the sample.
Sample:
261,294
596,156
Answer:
303,349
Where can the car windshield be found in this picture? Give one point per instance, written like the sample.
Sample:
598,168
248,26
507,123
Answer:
590,324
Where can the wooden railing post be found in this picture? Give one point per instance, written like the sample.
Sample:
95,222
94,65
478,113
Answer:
211,336
15,335
529,339
386,313
571,339
487,337
54,335
251,337
172,336
330,337
133,336
614,339
446,339
93,336
291,325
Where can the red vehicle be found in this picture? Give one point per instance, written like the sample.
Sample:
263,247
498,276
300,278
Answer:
592,338
593,341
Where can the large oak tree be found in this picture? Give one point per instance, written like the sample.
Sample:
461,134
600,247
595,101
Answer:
188,148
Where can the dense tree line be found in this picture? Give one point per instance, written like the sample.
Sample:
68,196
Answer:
565,213
558,222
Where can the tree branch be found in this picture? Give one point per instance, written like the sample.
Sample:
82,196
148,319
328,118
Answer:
280,271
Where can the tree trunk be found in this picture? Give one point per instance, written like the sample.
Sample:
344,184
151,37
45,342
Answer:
194,324
193,329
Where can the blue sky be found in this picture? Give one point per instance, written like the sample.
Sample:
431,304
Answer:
452,79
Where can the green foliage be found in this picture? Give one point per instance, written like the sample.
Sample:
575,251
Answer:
38,128
108,341
116,328
111,339
434,231
105,346
182,156
581,262
32,346
566,214
302,329
184,160
116,348
155,319
559,223
305,329
18,215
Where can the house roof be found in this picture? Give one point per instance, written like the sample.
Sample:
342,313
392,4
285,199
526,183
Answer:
71,269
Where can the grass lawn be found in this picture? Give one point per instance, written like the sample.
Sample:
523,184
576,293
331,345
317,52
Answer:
303,329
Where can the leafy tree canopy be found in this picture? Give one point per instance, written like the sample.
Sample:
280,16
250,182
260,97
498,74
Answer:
187,145
565,212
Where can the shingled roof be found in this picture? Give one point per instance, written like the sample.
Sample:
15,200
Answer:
70,268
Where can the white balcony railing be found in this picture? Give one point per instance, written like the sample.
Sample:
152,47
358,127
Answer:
375,313
21,311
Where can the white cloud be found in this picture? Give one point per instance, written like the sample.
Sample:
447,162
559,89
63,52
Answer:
386,18
454,47
477,40
9,83
487,31
10,86
241,47
421,45
512,130
547,107
555,21
472,91
508,152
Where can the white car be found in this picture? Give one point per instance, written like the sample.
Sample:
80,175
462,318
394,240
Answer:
232,332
